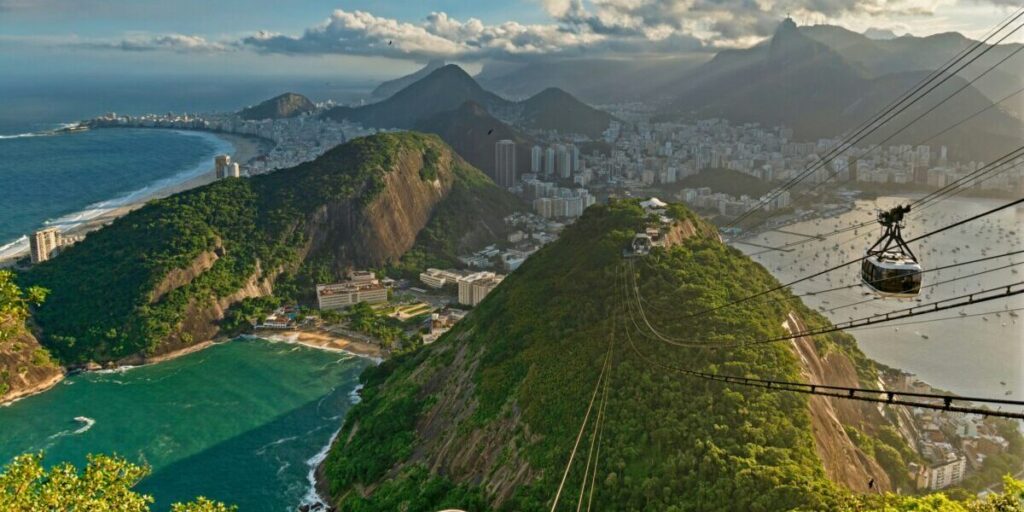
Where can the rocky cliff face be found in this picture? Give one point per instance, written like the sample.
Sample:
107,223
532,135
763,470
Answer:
25,368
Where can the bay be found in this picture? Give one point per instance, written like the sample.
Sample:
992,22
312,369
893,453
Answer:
237,422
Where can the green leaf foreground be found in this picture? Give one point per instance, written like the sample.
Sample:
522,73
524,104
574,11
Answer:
104,485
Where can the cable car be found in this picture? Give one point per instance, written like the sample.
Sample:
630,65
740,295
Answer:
890,268
639,246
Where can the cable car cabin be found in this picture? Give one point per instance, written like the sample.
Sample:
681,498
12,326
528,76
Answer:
892,274
890,268
639,246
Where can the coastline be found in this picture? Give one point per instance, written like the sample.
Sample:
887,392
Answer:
318,340
243,149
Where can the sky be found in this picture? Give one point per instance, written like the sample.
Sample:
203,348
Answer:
380,39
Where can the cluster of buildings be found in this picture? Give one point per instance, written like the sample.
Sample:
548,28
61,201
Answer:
552,201
472,287
47,242
442,322
361,286
703,198
952,446
295,140
557,161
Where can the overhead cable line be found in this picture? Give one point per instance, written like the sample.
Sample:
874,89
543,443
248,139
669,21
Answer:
890,112
858,284
922,309
947,403
583,426
858,260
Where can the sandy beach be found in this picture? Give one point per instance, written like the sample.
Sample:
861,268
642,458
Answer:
245,149
323,340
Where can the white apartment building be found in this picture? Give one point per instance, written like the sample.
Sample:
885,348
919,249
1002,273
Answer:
351,292
474,287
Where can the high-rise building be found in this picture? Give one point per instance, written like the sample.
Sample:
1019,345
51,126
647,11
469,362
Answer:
564,161
505,163
549,161
536,159
575,157
42,243
221,164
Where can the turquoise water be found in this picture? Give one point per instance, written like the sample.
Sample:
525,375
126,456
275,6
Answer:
66,179
237,422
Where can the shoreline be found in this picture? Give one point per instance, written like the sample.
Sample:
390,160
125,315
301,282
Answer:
243,149
318,340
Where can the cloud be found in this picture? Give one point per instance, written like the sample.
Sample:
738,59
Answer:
577,27
438,36
177,43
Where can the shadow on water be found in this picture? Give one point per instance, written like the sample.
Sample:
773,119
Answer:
233,470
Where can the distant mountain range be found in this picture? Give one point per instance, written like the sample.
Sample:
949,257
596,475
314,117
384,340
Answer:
449,87
593,80
286,105
797,81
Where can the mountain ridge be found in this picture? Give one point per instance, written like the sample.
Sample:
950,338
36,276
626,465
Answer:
449,87
163,277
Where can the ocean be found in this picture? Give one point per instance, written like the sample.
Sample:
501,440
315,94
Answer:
242,422
973,351
69,178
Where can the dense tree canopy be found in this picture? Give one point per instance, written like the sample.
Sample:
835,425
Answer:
104,485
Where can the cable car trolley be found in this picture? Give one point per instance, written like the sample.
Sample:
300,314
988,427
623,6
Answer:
639,246
890,268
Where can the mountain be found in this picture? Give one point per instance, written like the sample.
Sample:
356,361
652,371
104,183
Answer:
555,109
598,81
472,132
486,417
797,81
286,105
442,90
908,53
448,88
163,277
387,89
791,80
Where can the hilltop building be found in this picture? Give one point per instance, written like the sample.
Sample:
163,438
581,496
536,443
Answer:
362,286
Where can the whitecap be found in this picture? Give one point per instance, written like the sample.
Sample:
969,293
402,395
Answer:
86,422
312,497
354,396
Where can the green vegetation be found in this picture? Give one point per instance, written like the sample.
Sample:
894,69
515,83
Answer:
363,318
248,312
670,442
14,305
508,387
727,181
891,451
1010,500
105,302
105,485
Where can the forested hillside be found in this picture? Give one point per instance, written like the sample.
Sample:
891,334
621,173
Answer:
161,277
487,416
